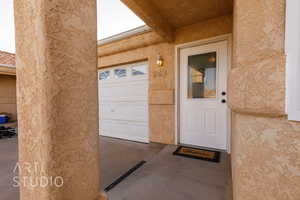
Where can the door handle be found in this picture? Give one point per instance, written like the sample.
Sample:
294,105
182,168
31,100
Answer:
223,93
223,101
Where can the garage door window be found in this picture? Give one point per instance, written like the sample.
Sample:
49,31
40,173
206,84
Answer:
139,70
119,73
105,75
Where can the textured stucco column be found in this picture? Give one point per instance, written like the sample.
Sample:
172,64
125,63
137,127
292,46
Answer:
57,99
265,145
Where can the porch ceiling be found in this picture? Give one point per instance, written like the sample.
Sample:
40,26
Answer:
181,13
165,16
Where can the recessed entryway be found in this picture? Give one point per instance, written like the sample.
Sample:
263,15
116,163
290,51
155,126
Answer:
123,102
203,118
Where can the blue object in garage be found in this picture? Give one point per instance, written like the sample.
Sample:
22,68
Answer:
3,119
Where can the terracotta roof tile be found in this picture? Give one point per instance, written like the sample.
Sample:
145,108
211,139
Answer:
7,58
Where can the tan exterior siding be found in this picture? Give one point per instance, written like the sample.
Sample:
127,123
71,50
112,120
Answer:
258,47
265,158
265,145
57,98
203,30
133,42
162,79
8,95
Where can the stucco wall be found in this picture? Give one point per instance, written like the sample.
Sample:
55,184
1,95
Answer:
57,99
265,158
203,30
265,145
8,95
258,58
162,79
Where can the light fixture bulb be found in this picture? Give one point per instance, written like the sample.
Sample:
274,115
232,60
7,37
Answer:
212,59
160,61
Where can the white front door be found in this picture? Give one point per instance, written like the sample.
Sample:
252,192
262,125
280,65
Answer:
203,90
123,102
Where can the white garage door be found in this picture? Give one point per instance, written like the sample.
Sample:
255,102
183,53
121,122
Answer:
123,102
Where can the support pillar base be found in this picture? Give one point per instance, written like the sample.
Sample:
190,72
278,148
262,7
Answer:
103,196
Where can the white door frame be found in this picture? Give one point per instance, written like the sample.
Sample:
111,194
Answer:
226,37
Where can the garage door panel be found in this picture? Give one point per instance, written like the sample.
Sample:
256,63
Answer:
123,103
125,130
124,92
134,111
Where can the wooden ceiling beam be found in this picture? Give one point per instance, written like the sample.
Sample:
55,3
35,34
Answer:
151,16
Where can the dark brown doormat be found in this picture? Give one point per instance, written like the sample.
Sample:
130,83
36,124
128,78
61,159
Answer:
202,154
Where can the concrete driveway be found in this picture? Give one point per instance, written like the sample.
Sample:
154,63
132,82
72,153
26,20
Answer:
8,160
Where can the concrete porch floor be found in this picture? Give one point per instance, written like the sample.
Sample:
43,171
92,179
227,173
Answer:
118,156
164,176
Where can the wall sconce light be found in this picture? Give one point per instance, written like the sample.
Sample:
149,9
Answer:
212,59
160,61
